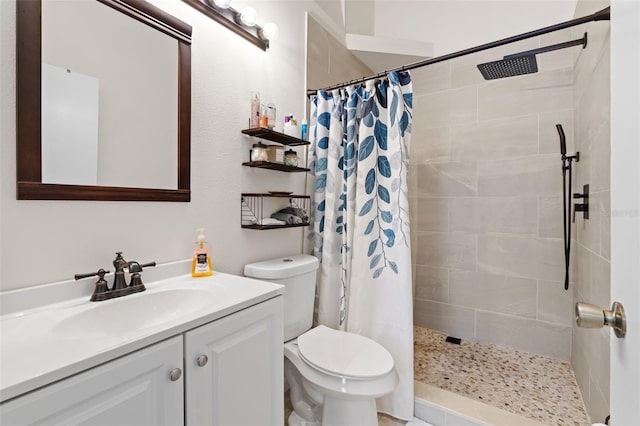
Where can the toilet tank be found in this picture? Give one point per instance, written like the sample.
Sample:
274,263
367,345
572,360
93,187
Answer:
298,275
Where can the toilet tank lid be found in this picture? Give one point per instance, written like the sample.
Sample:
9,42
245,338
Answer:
282,267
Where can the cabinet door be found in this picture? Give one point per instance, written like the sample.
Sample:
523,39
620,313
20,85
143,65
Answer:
242,380
133,390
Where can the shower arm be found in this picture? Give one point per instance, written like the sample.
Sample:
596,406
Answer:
582,41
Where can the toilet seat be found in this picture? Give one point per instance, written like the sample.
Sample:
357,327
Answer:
344,354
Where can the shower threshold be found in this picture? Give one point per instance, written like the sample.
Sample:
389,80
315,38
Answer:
489,384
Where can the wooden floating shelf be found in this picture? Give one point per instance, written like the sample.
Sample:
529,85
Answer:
273,136
264,227
275,166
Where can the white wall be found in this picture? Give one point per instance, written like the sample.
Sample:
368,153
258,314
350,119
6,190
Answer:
453,25
45,241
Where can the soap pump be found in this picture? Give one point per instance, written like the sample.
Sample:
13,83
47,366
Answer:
201,265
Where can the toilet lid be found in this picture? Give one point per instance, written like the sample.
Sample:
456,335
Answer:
344,354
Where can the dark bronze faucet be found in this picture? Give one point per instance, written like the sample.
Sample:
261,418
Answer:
120,287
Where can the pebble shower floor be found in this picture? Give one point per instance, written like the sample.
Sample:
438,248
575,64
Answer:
537,387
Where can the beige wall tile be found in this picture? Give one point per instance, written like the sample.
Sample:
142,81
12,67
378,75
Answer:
550,222
587,59
447,179
534,93
495,140
605,224
555,304
583,272
592,105
453,320
328,61
514,215
318,43
600,281
588,230
530,335
580,363
457,106
532,175
343,65
433,214
597,346
429,144
590,358
444,250
598,405
434,78
601,160
496,293
432,283
540,258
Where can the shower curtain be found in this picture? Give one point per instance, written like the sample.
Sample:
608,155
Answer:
359,146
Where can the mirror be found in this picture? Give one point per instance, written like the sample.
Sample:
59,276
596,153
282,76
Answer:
103,101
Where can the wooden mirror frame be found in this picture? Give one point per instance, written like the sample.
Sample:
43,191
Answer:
29,115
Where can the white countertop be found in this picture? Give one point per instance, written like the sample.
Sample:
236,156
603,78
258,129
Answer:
41,345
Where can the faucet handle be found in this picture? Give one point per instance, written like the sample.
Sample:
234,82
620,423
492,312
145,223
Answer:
119,263
102,287
100,272
136,279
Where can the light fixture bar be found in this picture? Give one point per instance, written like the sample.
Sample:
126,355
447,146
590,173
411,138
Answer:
230,18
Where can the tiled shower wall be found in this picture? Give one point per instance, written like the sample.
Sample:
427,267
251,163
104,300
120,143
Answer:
590,349
486,200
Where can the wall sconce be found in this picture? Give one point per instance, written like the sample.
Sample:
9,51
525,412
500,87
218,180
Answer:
242,22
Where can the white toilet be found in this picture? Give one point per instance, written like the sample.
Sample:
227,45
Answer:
334,376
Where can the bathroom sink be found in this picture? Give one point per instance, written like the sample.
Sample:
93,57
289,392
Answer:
135,312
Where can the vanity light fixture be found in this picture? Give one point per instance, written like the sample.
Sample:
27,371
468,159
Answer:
242,23
270,31
249,16
222,4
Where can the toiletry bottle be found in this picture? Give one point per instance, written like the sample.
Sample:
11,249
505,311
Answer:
254,120
304,130
287,128
201,266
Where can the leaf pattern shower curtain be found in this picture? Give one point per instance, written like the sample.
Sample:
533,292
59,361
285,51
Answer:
360,143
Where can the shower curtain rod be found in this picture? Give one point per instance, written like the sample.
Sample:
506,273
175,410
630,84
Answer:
602,15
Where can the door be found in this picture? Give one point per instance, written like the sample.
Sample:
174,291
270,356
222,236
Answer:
133,390
625,207
234,369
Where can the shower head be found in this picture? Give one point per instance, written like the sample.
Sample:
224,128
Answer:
509,67
563,143
524,62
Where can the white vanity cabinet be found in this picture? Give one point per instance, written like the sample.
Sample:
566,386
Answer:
234,369
240,382
135,389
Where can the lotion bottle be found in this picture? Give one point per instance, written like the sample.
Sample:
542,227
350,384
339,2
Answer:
201,266
304,130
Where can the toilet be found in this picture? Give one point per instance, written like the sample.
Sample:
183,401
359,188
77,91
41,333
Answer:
334,376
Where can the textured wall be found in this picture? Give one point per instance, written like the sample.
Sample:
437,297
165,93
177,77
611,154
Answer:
487,212
590,350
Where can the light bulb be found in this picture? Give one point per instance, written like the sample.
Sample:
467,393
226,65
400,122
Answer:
222,4
249,16
270,31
